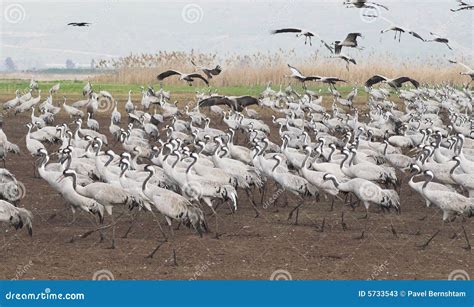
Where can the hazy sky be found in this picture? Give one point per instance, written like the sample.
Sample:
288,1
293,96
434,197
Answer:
35,34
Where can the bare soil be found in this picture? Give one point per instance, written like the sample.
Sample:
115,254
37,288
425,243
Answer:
248,247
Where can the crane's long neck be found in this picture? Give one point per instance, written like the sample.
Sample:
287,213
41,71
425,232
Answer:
352,158
188,170
303,165
276,165
145,182
346,156
427,182
74,180
458,162
334,180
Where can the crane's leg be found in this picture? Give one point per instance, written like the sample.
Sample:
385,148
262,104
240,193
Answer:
160,244
132,222
257,213
297,209
262,192
332,203
362,235
113,232
343,224
468,246
425,245
394,232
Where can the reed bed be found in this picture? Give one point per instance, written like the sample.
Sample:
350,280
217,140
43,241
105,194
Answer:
261,68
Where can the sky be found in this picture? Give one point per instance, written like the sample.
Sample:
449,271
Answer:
35,33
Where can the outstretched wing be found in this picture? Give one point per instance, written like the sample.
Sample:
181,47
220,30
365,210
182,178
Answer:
312,78
286,30
352,37
79,24
374,80
333,79
327,46
196,75
167,73
379,5
416,35
215,101
402,80
216,71
245,101
295,71
462,64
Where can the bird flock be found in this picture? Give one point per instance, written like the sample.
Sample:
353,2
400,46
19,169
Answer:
177,163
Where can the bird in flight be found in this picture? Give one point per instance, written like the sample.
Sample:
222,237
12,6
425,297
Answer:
440,39
308,35
189,78
463,6
399,30
395,83
209,72
79,24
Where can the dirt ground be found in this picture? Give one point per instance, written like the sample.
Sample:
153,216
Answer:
248,248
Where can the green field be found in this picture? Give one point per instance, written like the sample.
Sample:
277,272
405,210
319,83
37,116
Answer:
68,87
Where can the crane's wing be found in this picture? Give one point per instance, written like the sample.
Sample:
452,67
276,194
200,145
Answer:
374,80
334,79
379,5
286,30
312,78
462,64
167,73
327,46
245,101
416,35
435,35
402,80
215,71
196,75
215,101
463,7
352,37
295,71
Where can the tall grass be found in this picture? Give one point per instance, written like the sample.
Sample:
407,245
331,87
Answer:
260,68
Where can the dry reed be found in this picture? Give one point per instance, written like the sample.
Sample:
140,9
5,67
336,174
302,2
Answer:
260,68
